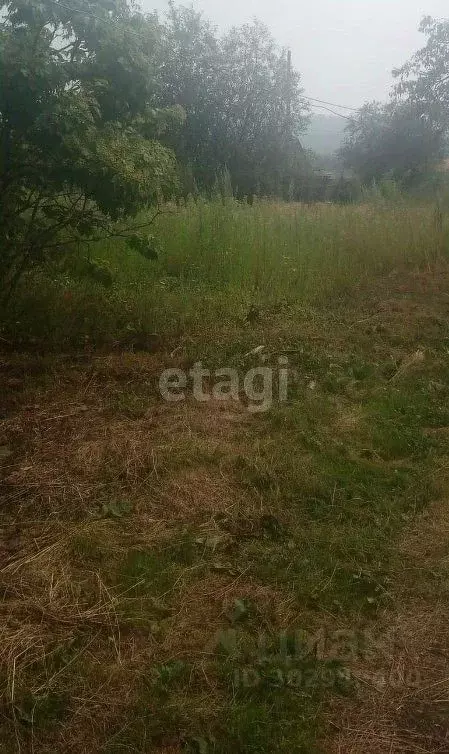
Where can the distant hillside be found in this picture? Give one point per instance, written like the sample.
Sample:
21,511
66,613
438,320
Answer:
325,134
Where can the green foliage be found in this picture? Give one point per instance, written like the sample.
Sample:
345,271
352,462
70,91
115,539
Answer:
392,141
167,675
148,246
424,80
406,138
105,113
79,126
243,103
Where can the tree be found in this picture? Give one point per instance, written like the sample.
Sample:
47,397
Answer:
424,80
187,73
263,112
407,137
79,128
394,140
243,103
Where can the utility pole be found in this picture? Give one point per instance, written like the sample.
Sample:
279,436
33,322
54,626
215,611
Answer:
289,87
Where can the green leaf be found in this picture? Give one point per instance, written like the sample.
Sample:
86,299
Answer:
239,611
146,246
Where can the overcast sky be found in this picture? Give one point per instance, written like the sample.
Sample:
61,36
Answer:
345,49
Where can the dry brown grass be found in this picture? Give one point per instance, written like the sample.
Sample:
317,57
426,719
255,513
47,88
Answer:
87,433
70,451
72,448
402,702
205,604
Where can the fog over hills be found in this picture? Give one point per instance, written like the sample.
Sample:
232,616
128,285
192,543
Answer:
325,134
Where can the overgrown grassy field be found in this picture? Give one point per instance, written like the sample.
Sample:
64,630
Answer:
193,577
216,260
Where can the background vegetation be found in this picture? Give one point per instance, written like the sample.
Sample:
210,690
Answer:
218,260
106,116
157,208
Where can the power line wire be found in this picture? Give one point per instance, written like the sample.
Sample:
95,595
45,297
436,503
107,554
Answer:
334,112
333,104
110,21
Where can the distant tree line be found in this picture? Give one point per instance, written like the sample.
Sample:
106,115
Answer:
406,138
106,111
243,104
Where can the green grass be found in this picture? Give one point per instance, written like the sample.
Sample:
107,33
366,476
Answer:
216,261
155,571
138,553
341,498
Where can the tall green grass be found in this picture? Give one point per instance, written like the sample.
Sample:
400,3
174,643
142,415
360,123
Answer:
217,259
293,250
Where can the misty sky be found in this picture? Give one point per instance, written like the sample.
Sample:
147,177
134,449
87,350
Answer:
345,49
